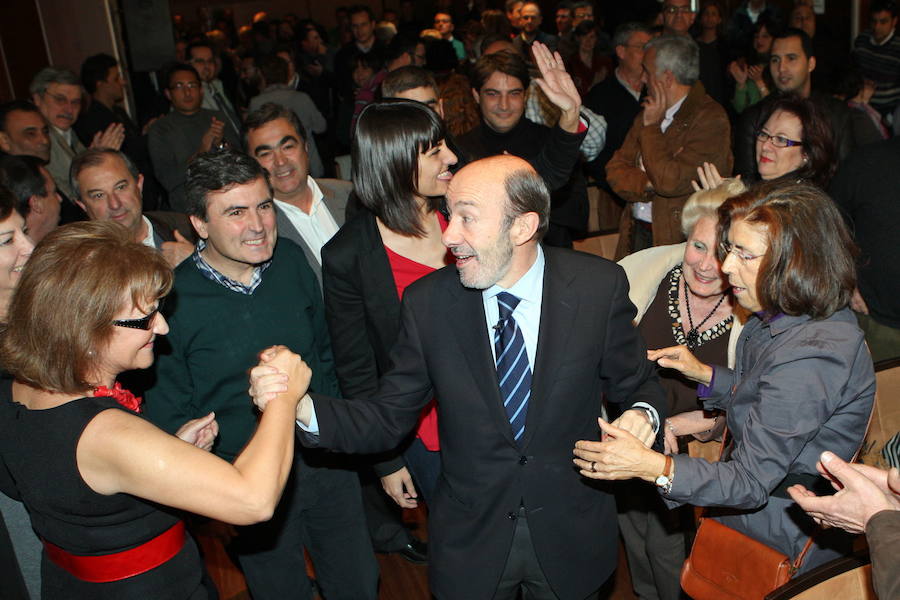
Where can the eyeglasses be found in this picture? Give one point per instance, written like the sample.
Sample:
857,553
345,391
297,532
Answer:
191,85
142,323
674,10
779,141
741,255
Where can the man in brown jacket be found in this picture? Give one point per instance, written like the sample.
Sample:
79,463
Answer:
678,130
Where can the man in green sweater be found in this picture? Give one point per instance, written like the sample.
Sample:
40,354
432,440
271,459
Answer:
239,293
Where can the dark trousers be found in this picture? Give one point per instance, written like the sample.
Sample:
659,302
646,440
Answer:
522,572
320,510
641,236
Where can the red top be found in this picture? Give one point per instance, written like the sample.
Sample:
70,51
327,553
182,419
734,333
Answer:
405,272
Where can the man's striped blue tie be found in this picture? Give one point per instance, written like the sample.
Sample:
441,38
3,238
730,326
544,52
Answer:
513,370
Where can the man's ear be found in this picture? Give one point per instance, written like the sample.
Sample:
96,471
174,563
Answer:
620,52
524,227
80,205
35,205
199,226
812,64
5,143
140,182
475,95
440,108
168,94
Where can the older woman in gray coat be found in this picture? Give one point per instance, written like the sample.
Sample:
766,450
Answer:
803,380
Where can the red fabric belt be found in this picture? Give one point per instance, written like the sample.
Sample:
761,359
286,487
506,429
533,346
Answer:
120,565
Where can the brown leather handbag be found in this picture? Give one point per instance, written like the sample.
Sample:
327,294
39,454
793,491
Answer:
725,564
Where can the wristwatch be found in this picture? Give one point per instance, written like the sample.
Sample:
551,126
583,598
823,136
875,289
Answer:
664,481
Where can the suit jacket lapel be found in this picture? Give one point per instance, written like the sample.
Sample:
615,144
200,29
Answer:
558,310
466,312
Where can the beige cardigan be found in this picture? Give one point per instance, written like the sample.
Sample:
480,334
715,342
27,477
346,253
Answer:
646,269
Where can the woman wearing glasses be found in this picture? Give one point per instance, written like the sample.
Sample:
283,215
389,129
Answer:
682,297
93,474
802,383
793,144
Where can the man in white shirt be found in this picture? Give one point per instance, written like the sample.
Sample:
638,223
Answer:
309,211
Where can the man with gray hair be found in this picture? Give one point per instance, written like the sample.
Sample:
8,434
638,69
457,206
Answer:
57,94
679,128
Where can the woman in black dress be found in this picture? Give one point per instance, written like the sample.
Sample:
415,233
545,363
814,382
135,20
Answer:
94,475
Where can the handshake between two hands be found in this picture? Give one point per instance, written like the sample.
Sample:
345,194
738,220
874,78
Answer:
281,375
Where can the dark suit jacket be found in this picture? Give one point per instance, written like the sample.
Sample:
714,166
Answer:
334,195
586,346
363,312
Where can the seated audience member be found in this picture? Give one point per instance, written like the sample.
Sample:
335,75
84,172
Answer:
866,188
23,130
664,284
867,501
57,94
112,493
241,286
788,257
274,77
35,191
202,56
877,53
586,66
443,22
401,169
792,64
108,187
857,93
20,548
102,79
185,132
793,144
714,53
309,211
499,82
679,128
530,20
739,31
751,73
618,96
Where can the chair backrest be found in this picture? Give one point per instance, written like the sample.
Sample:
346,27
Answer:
885,414
848,578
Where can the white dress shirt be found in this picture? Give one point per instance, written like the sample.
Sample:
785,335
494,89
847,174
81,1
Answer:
317,227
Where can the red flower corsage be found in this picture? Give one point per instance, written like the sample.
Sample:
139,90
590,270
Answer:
120,395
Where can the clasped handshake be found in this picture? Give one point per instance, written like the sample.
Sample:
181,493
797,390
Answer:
280,376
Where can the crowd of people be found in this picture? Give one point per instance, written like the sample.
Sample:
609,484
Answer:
376,222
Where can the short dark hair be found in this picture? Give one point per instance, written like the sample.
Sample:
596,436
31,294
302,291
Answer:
267,113
527,192
178,67
407,78
400,45
492,38
200,43
504,62
360,8
818,143
584,28
22,176
7,203
440,57
94,157
88,267
274,69
14,105
878,6
809,267
218,171
96,68
390,136
790,32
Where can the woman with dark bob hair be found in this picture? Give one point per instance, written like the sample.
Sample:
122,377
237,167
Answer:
94,475
401,170
793,144
803,380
